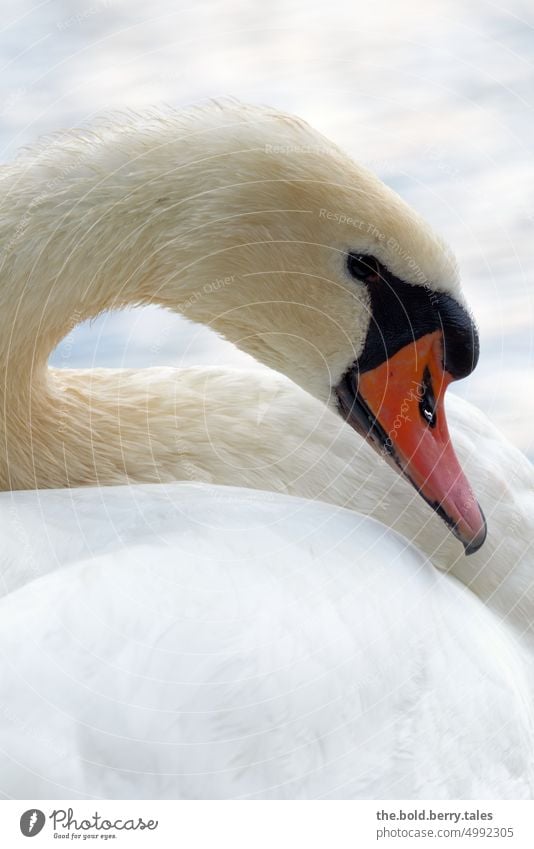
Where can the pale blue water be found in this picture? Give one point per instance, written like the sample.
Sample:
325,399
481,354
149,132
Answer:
435,96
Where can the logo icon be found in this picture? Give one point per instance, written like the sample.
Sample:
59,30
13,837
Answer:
32,822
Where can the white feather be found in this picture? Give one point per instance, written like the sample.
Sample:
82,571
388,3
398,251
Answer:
193,641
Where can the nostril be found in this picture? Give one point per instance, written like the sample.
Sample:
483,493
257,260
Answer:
427,400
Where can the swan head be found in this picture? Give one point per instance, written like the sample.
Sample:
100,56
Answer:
335,281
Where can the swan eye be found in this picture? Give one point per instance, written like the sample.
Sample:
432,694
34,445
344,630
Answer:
363,267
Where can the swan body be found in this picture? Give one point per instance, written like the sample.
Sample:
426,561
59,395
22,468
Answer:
208,642
164,634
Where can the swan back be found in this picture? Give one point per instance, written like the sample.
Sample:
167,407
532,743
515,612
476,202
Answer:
220,643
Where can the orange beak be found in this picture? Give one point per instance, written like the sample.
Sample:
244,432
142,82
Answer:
398,405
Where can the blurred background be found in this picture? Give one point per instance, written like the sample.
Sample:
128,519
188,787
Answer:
435,96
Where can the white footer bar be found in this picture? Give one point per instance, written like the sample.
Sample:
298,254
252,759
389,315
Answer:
268,824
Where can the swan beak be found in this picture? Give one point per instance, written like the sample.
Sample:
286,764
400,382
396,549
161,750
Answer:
399,407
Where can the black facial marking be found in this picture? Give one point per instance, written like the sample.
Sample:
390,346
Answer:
352,406
427,403
402,313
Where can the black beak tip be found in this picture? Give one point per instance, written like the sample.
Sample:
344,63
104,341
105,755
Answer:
473,545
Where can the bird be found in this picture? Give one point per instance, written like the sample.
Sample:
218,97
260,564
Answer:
185,484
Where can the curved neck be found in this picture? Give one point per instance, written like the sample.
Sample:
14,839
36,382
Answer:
86,228
132,220
81,262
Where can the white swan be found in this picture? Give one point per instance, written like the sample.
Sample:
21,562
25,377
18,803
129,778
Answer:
250,222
